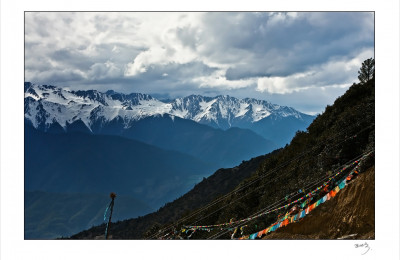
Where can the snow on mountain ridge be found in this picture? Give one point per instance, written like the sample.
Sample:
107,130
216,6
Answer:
64,106
228,109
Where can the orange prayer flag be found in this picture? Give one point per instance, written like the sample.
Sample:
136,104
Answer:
285,222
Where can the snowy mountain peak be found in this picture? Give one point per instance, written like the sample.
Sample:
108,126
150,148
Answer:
46,104
225,111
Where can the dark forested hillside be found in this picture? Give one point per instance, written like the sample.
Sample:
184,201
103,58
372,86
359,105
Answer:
342,133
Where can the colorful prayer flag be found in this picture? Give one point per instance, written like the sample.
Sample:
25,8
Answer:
328,196
253,236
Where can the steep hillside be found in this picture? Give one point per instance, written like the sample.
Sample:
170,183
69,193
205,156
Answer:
350,215
341,134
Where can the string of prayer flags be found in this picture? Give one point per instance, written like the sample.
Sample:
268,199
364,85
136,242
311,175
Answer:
286,220
330,194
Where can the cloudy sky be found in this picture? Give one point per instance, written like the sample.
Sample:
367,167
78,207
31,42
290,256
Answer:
304,60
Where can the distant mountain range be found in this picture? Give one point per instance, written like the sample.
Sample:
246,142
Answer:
50,108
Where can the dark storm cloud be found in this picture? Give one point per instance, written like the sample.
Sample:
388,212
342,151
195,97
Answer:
56,77
178,71
71,58
281,44
254,54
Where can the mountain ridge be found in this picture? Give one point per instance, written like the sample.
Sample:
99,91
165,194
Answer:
46,105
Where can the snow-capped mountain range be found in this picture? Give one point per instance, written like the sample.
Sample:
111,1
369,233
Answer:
46,105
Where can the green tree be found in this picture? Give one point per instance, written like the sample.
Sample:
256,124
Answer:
367,70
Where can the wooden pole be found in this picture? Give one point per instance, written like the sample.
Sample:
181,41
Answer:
112,196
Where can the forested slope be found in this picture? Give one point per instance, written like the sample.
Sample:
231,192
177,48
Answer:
338,136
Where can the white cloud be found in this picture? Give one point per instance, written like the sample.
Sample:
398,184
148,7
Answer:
218,80
172,53
104,70
332,74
